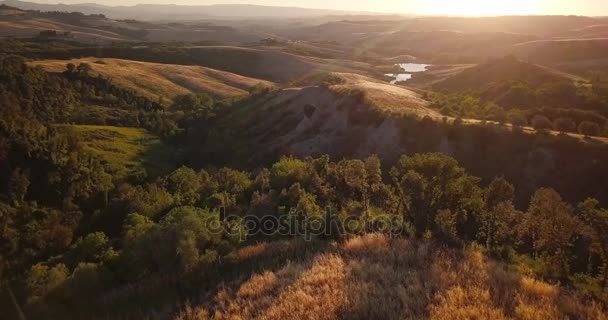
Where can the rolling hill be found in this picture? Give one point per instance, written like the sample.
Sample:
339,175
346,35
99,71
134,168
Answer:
347,115
181,12
544,26
154,80
578,56
98,29
497,71
73,26
268,63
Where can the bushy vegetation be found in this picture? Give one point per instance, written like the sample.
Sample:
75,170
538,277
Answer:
172,233
523,92
83,220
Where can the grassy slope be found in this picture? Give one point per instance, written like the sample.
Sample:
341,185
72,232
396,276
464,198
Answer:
387,98
127,150
167,80
579,56
350,116
93,29
498,71
376,277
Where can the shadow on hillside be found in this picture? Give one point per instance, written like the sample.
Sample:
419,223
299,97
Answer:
387,279
378,277
161,296
250,283
158,158
504,287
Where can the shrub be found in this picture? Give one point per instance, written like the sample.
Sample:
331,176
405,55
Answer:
589,128
541,123
564,125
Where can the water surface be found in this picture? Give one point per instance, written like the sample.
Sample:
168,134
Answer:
407,67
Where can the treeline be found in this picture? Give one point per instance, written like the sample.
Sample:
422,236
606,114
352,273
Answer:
164,231
563,119
564,104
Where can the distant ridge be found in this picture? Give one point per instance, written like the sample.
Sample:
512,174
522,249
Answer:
181,12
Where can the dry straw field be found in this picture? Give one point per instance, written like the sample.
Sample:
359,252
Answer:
154,80
376,277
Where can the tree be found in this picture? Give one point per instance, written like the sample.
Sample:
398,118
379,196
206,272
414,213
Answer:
193,102
188,234
564,125
499,190
186,239
289,170
70,68
232,186
84,68
41,279
589,128
550,226
497,225
427,183
356,179
541,123
517,119
150,200
92,248
499,216
597,219
302,201
262,181
19,185
185,184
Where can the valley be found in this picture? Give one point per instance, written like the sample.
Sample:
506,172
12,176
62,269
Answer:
237,161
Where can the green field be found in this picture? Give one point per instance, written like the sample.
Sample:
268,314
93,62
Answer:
127,151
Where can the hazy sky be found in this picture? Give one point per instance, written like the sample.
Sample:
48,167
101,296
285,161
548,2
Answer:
454,7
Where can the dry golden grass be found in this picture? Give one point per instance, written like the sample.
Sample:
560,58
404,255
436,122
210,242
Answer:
154,80
386,97
377,277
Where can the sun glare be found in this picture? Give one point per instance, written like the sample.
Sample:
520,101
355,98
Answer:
479,7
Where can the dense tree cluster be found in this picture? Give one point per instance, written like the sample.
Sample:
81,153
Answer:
50,184
192,221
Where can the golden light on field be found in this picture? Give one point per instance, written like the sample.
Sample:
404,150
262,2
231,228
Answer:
479,7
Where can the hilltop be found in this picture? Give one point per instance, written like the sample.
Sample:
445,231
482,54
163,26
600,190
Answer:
339,114
154,80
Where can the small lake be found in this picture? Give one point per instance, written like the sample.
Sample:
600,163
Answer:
409,68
